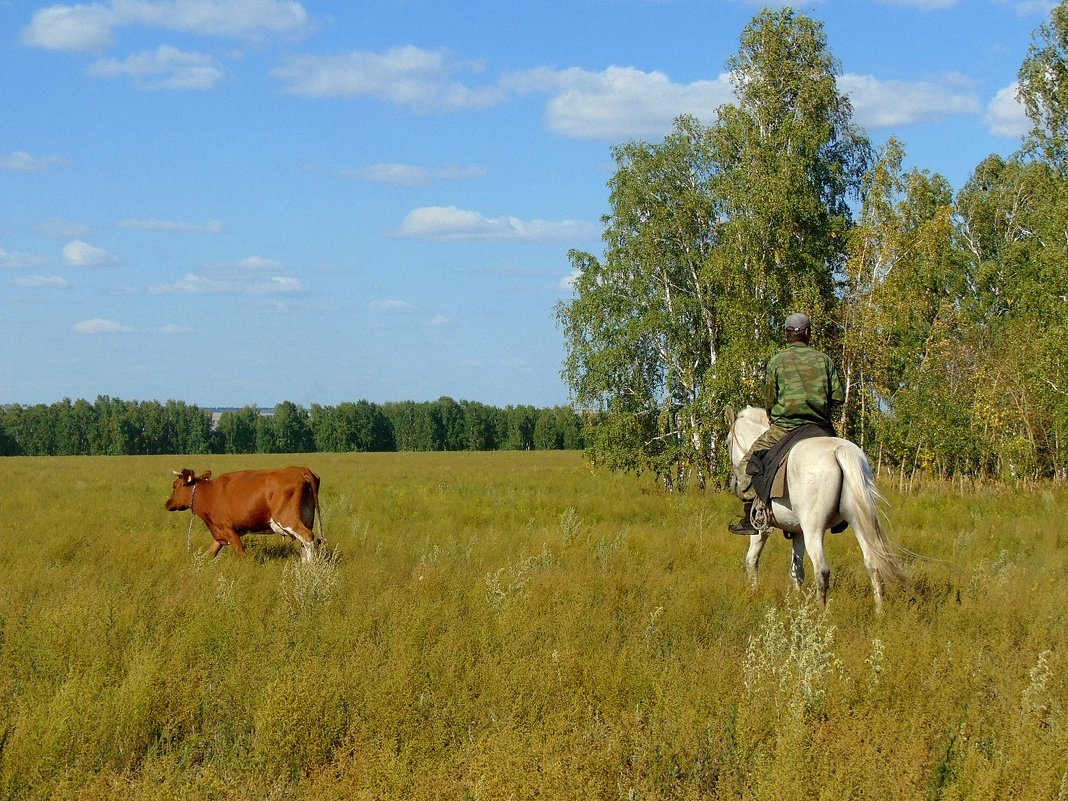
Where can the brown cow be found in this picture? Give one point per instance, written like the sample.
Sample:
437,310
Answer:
284,501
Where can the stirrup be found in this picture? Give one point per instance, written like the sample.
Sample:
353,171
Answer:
761,517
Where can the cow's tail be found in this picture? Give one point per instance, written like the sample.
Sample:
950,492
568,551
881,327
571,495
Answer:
313,481
864,513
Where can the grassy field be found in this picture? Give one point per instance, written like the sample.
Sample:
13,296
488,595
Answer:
513,626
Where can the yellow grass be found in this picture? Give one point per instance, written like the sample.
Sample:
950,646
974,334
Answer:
513,626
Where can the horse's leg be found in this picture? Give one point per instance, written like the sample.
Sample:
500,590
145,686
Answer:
814,544
873,571
752,556
797,561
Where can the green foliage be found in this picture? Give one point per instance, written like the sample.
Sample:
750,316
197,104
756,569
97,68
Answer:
947,315
716,234
115,427
511,625
1043,90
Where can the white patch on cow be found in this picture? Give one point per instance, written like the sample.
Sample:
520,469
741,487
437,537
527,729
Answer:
285,531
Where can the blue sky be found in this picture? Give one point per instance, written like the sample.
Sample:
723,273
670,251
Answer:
245,202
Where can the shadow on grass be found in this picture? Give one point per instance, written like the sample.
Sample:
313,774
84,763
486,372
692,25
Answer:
272,551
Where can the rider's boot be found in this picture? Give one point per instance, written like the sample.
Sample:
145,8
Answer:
744,526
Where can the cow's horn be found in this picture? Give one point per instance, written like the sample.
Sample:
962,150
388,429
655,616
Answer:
176,473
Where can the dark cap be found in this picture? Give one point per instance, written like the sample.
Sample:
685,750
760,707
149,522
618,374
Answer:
797,322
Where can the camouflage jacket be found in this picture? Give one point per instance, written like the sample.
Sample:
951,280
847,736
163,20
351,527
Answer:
802,387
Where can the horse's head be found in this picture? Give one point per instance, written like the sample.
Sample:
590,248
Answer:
745,427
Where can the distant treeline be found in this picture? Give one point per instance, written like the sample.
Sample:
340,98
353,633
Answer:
116,427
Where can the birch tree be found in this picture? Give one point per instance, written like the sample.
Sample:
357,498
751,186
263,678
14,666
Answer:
715,235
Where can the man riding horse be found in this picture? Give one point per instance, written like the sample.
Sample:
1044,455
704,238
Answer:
802,387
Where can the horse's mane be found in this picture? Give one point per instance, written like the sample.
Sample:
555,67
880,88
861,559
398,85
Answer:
755,414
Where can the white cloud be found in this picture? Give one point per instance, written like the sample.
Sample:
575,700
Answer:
174,328
71,28
1034,7
568,281
391,306
923,5
409,175
619,102
178,226
91,27
452,224
1006,115
100,326
438,321
195,284
391,174
258,263
62,229
280,284
81,254
19,260
407,76
887,104
41,282
166,67
237,18
22,161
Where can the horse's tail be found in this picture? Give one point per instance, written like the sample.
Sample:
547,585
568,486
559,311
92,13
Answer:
862,500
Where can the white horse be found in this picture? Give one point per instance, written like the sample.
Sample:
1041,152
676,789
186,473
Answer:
828,480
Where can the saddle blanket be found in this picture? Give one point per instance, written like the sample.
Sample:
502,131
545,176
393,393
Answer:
768,468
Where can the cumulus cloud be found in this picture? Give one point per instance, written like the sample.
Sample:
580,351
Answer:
437,321
887,104
923,5
608,105
1035,7
62,229
448,223
391,306
408,76
252,275
41,282
177,226
19,260
71,28
81,254
22,161
1006,116
100,326
619,102
166,67
408,175
567,283
258,263
79,28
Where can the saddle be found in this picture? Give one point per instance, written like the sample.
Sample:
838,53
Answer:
768,468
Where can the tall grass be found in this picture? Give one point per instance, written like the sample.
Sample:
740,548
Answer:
511,625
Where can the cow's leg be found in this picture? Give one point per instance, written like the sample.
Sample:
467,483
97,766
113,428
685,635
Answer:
215,547
301,533
235,541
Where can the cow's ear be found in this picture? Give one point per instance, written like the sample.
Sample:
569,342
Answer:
204,476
